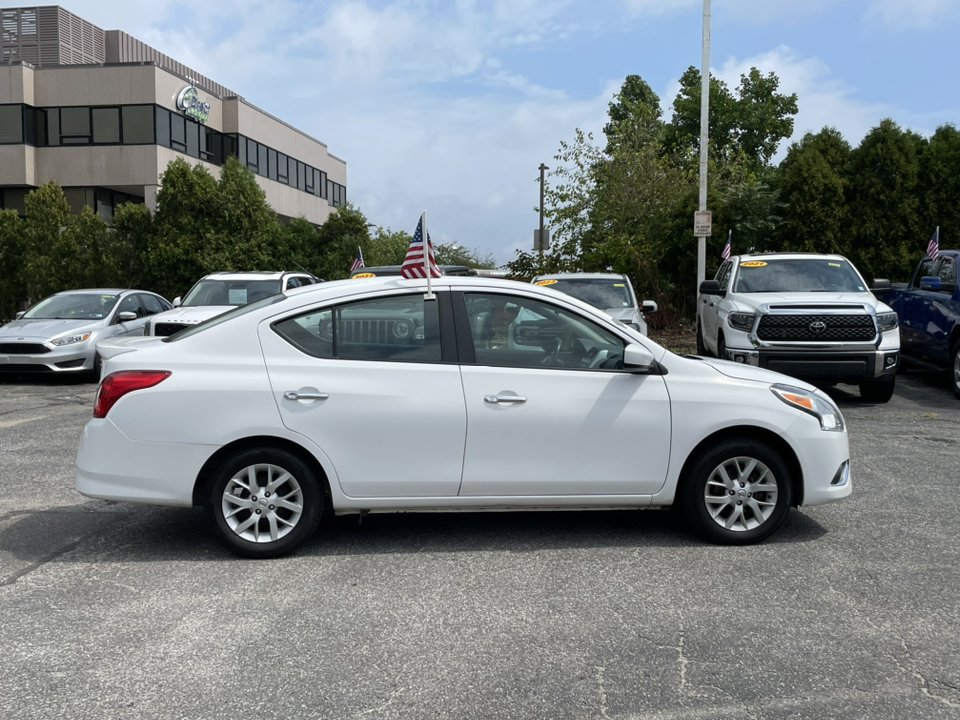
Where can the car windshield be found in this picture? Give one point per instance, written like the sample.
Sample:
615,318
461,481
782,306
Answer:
797,275
73,306
602,293
229,292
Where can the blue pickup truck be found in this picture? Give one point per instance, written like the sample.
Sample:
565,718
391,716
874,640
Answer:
928,308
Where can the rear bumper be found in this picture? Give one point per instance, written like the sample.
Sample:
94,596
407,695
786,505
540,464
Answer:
110,466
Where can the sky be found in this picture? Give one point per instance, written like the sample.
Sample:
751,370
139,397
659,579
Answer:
450,106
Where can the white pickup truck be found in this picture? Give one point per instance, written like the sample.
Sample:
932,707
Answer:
803,314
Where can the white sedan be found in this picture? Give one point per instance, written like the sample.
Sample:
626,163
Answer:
490,395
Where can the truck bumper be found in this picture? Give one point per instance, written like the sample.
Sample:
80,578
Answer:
832,366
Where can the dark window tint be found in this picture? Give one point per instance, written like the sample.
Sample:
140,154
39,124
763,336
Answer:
309,178
282,168
11,124
311,333
514,331
272,164
948,272
261,159
106,125
927,269
74,121
193,138
323,185
137,124
30,135
163,127
178,132
151,303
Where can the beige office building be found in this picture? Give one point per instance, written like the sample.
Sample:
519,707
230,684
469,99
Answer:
103,114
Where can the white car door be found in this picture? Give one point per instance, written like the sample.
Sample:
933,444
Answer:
373,394
548,414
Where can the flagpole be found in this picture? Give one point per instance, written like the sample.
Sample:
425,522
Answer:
427,265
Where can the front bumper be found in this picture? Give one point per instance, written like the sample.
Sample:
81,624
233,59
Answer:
69,358
854,365
824,459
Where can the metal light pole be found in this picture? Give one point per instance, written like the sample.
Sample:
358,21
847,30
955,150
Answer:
704,138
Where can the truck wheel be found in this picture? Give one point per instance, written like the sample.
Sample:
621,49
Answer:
955,369
879,390
737,492
721,347
701,348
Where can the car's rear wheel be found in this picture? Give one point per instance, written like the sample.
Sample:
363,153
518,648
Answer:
879,390
265,502
737,492
955,369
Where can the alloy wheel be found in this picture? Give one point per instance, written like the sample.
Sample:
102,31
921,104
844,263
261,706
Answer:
262,503
741,494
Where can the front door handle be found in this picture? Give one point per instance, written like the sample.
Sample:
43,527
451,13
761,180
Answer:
497,399
294,395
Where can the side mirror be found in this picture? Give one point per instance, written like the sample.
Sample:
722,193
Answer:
880,285
127,316
176,301
20,314
649,306
711,287
637,358
931,282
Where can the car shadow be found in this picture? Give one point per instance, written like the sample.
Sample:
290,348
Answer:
52,378
122,532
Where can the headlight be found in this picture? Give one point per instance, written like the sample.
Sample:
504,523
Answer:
825,411
887,321
741,321
70,339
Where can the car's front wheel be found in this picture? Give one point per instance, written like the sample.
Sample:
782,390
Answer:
265,502
737,492
701,348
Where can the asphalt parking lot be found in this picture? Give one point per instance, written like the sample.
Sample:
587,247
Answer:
852,610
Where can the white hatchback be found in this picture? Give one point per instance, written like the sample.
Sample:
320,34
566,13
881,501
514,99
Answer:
490,395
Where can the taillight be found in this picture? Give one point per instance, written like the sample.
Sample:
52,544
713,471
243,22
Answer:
116,385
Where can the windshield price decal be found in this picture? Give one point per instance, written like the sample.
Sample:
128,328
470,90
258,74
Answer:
546,282
363,275
753,263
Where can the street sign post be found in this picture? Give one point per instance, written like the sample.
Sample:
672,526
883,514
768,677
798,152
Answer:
702,224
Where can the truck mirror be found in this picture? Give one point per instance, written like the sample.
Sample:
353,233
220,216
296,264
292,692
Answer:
710,287
880,284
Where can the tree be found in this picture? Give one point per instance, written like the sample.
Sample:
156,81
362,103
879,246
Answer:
12,279
939,187
887,236
338,239
814,184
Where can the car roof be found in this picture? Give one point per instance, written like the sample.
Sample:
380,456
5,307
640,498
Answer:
789,256
580,276
387,270
100,291
253,275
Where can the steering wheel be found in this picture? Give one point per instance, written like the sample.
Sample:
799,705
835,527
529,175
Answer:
554,353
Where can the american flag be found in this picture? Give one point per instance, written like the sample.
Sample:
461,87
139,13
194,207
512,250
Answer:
726,248
933,247
357,263
413,263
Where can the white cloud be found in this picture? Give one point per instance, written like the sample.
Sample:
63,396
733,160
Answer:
913,13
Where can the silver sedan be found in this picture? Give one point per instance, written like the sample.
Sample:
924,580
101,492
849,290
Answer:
60,333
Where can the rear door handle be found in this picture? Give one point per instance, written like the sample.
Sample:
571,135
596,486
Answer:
294,395
497,399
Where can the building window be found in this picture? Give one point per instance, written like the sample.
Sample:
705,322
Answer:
282,168
11,124
178,132
271,163
193,137
138,125
323,185
163,127
106,125
75,126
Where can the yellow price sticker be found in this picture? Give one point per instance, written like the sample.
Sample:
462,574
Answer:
834,264
753,263
363,275
546,282
618,285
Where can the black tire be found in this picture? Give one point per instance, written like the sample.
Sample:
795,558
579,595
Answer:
247,532
97,368
953,371
721,347
701,348
749,514
878,390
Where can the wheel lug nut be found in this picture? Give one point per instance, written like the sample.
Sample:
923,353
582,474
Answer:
253,498
258,512
739,502
743,484
271,507
266,494
731,492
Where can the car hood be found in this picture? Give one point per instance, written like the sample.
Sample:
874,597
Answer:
45,329
621,313
190,315
754,300
741,371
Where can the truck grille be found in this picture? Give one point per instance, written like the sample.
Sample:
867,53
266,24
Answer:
23,349
807,328
166,329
